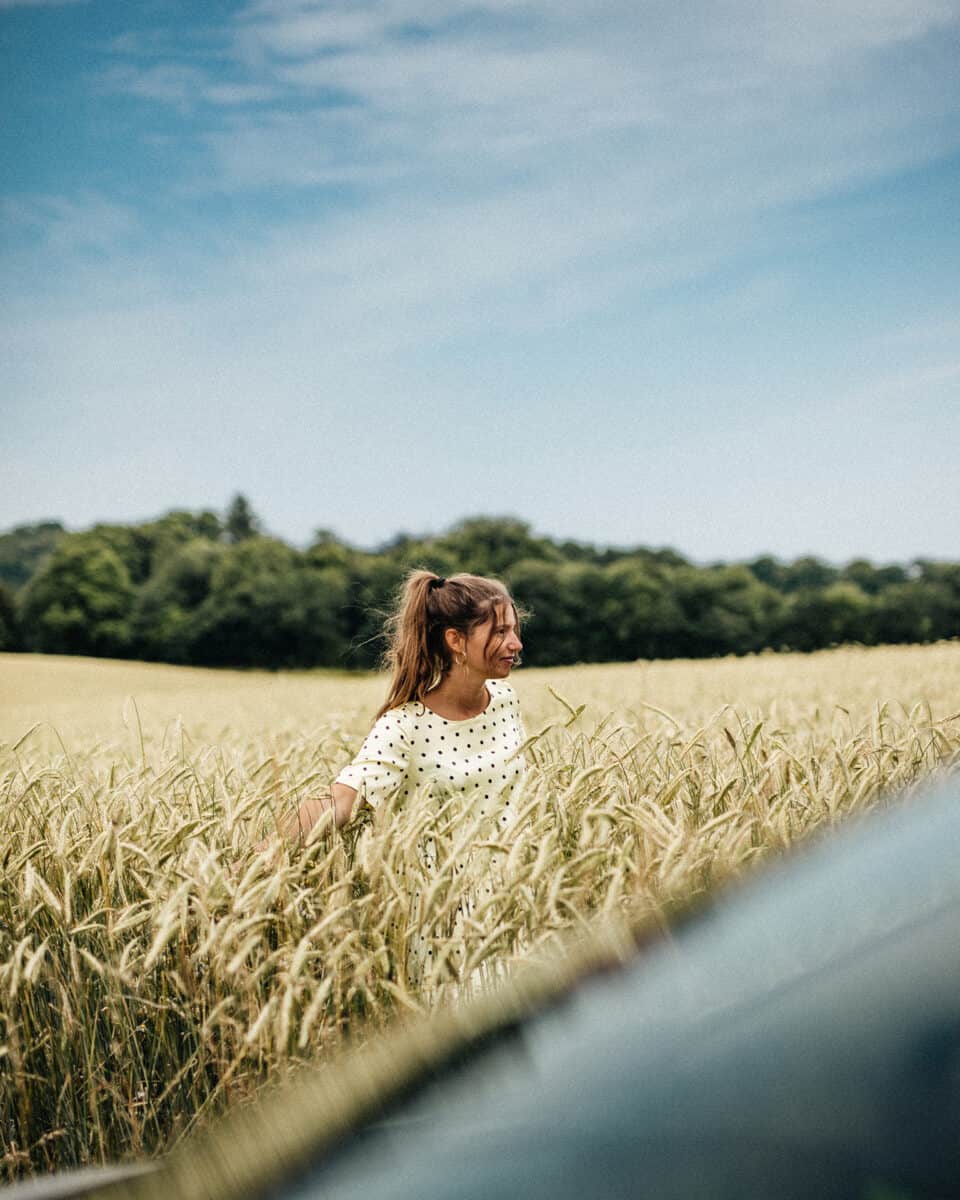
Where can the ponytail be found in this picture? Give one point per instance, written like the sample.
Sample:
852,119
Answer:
429,604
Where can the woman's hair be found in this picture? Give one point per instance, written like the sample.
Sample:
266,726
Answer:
417,651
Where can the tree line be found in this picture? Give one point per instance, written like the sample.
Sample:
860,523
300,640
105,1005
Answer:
215,590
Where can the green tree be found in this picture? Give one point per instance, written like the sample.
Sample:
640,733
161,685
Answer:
549,591
908,612
487,546
870,579
9,626
79,601
167,534
326,550
769,570
164,620
131,544
817,618
726,610
640,613
808,573
24,548
268,607
923,609
943,578
375,582
144,546
240,523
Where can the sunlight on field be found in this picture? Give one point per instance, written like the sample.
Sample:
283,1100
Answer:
154,971
84,699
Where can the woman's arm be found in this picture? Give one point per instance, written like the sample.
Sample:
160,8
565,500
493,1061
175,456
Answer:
377,770
295,826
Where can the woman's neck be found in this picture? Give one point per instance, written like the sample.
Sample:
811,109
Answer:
459,695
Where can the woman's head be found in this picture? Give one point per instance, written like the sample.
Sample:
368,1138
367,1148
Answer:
462,620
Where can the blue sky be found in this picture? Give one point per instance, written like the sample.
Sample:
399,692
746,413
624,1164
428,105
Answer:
678,273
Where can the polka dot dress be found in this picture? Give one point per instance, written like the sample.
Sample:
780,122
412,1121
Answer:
411,748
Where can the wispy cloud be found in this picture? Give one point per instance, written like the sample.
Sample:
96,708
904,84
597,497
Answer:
179,84
184,86
796,99
68,224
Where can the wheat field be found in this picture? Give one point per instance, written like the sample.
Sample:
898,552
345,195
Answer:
154,971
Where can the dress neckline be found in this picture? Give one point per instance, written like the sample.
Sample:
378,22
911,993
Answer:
463,720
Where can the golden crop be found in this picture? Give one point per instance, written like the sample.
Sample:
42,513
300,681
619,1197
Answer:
154,971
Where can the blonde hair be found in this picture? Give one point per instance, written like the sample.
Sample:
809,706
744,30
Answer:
417,651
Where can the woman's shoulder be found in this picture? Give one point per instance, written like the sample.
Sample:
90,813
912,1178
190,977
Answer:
399,719
411,718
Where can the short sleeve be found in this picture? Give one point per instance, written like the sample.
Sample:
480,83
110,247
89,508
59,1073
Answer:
381,763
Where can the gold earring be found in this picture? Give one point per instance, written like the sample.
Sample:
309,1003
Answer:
461,659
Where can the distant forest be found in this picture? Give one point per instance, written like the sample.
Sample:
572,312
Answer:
215,590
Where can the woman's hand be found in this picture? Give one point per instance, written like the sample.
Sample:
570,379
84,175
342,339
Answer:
296,826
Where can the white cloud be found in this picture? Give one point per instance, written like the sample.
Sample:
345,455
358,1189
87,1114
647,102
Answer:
300,32
183,86
239,93
178,84
68,224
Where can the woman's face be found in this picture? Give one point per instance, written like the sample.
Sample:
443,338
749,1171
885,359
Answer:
492,646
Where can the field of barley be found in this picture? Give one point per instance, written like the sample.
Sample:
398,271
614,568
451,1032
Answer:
154,971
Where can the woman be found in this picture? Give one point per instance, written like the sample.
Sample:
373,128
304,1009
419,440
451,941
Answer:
449,733
450,719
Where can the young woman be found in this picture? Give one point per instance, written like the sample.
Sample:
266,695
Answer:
450,718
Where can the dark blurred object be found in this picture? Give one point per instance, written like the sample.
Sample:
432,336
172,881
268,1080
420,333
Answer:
802,1039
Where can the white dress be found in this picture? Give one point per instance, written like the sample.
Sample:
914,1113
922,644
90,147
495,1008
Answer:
417,758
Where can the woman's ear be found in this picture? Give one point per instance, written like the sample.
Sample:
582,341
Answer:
455,640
